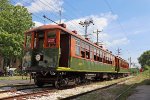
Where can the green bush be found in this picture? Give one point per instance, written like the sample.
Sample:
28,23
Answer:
19,72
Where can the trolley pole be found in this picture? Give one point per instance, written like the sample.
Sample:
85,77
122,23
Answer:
85,24
118,51
97,32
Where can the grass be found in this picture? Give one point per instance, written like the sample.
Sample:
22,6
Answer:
13,77
141,79
113,92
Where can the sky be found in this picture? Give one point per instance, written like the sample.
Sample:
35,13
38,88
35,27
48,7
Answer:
125,24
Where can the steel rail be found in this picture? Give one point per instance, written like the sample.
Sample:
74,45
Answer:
117,97
81,94
27,95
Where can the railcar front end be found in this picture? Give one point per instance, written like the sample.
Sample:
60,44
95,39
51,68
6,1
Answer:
41,50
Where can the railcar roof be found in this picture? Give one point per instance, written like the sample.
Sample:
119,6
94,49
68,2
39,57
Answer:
45,27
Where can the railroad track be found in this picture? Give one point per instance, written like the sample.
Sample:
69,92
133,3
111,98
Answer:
105,87
18,96
14,88
117,97
11,90
18,88
28,95
45,92
17,85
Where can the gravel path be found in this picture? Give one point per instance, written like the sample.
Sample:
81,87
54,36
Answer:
142,93
15,82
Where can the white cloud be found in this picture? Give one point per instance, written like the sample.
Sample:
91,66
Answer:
100,22
18,4
109,16
38,23
117,42
45,5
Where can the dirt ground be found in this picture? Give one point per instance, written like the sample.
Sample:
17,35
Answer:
141,93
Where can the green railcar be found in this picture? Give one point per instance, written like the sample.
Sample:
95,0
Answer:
56,55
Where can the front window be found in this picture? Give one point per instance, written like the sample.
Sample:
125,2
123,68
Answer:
41,39
51,39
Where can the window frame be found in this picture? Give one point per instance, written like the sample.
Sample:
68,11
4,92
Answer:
77,44
31,40
46,38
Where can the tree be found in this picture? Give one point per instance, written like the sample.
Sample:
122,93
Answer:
11,45
3,4
144,59
14,21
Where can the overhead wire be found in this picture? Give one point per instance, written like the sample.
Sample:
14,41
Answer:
52,15
35,15
74,9
54,8
112,11
41,17
74,23
76,14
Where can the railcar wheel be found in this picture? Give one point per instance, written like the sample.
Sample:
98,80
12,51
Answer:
61,83
58,84
38,83
77,81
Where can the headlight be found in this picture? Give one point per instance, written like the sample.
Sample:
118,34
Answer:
38,57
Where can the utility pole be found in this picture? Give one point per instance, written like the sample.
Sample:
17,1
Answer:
130,62
97,32
118,51
85,24
60,14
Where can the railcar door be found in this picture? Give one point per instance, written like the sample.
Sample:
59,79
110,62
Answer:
117,64
64,48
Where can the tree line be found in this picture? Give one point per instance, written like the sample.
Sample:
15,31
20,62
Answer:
144,59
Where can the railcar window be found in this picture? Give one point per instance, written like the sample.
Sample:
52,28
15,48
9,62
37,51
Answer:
91,52
101,55
51,39
82,49
95,54
87,51
111,57
104,57
28,40
108,56
39,39
78,47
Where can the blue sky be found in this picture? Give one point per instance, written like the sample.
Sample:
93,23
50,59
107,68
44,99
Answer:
125,23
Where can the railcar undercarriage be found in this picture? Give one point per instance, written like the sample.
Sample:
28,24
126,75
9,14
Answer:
62,79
